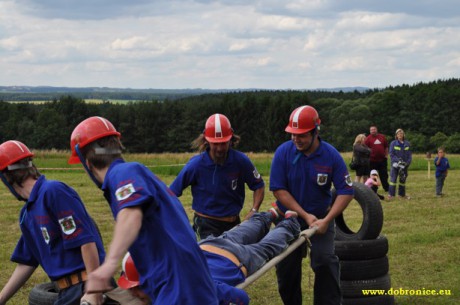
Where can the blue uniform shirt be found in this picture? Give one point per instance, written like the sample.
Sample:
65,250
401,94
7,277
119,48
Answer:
171,266
54,225
226,275
218,190
308,178
442,167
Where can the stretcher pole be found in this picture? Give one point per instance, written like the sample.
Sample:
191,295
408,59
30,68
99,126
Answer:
303,237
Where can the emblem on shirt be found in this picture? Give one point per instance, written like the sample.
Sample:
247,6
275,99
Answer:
348,180
321,179
68,225
45,234
256,173
125,191
377,142
234,184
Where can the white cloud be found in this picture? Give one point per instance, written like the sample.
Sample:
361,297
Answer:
227,44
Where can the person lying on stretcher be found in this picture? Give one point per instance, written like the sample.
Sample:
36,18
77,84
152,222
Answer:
232,256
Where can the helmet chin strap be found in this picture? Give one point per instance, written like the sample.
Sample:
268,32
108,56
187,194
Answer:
314,133
83,161
314,136
11,188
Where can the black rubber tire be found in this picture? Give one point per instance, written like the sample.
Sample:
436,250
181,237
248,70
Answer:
354,289
372,215
43,294
378,300
361,249
364,269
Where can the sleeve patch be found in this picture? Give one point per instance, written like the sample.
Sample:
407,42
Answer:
125,191
68,225
256,174
348,180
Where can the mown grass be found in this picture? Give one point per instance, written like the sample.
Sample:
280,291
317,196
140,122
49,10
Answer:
423,233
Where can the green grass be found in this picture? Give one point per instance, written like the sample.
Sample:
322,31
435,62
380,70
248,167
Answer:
423,233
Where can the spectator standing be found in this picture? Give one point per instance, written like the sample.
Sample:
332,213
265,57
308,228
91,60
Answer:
57,231
442,168
361,155
151,223
401,158
302,173
378,144
217,176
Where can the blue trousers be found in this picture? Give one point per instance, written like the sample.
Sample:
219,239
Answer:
205,227
440,184
394,176
324,263
252,241
71,295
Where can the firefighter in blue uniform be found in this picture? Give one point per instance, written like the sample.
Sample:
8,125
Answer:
401,158
217,177
301,176
57,232
150,222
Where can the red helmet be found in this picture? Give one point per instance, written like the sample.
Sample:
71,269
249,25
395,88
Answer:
88,131
130,277
12,152
218,129
302,120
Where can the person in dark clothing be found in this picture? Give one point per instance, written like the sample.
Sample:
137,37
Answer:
361,155
301,177
442,168
378,144
218,176
401,158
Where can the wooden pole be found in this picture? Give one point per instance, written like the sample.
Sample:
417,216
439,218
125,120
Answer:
429,168
428,158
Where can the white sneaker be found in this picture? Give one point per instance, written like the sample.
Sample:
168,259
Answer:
290,214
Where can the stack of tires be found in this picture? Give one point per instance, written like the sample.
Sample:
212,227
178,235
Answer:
363,254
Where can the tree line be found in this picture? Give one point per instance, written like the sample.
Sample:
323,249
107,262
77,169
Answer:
428,112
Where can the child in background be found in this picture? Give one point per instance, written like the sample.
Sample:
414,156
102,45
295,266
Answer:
374,182
442,167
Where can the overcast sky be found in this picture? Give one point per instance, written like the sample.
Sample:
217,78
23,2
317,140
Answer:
228,44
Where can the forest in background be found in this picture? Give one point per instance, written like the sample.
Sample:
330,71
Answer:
428,112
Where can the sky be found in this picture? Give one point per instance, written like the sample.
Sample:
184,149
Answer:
228,44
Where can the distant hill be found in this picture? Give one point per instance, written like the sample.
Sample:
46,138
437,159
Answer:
49,89
343,89
41,93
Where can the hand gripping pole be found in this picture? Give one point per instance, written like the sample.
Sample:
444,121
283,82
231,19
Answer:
303,237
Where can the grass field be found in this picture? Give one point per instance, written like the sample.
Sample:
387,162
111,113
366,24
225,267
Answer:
423,233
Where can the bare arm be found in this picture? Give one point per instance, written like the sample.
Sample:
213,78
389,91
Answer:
290,203
340,204
90,256
257,198
20,275
127,227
